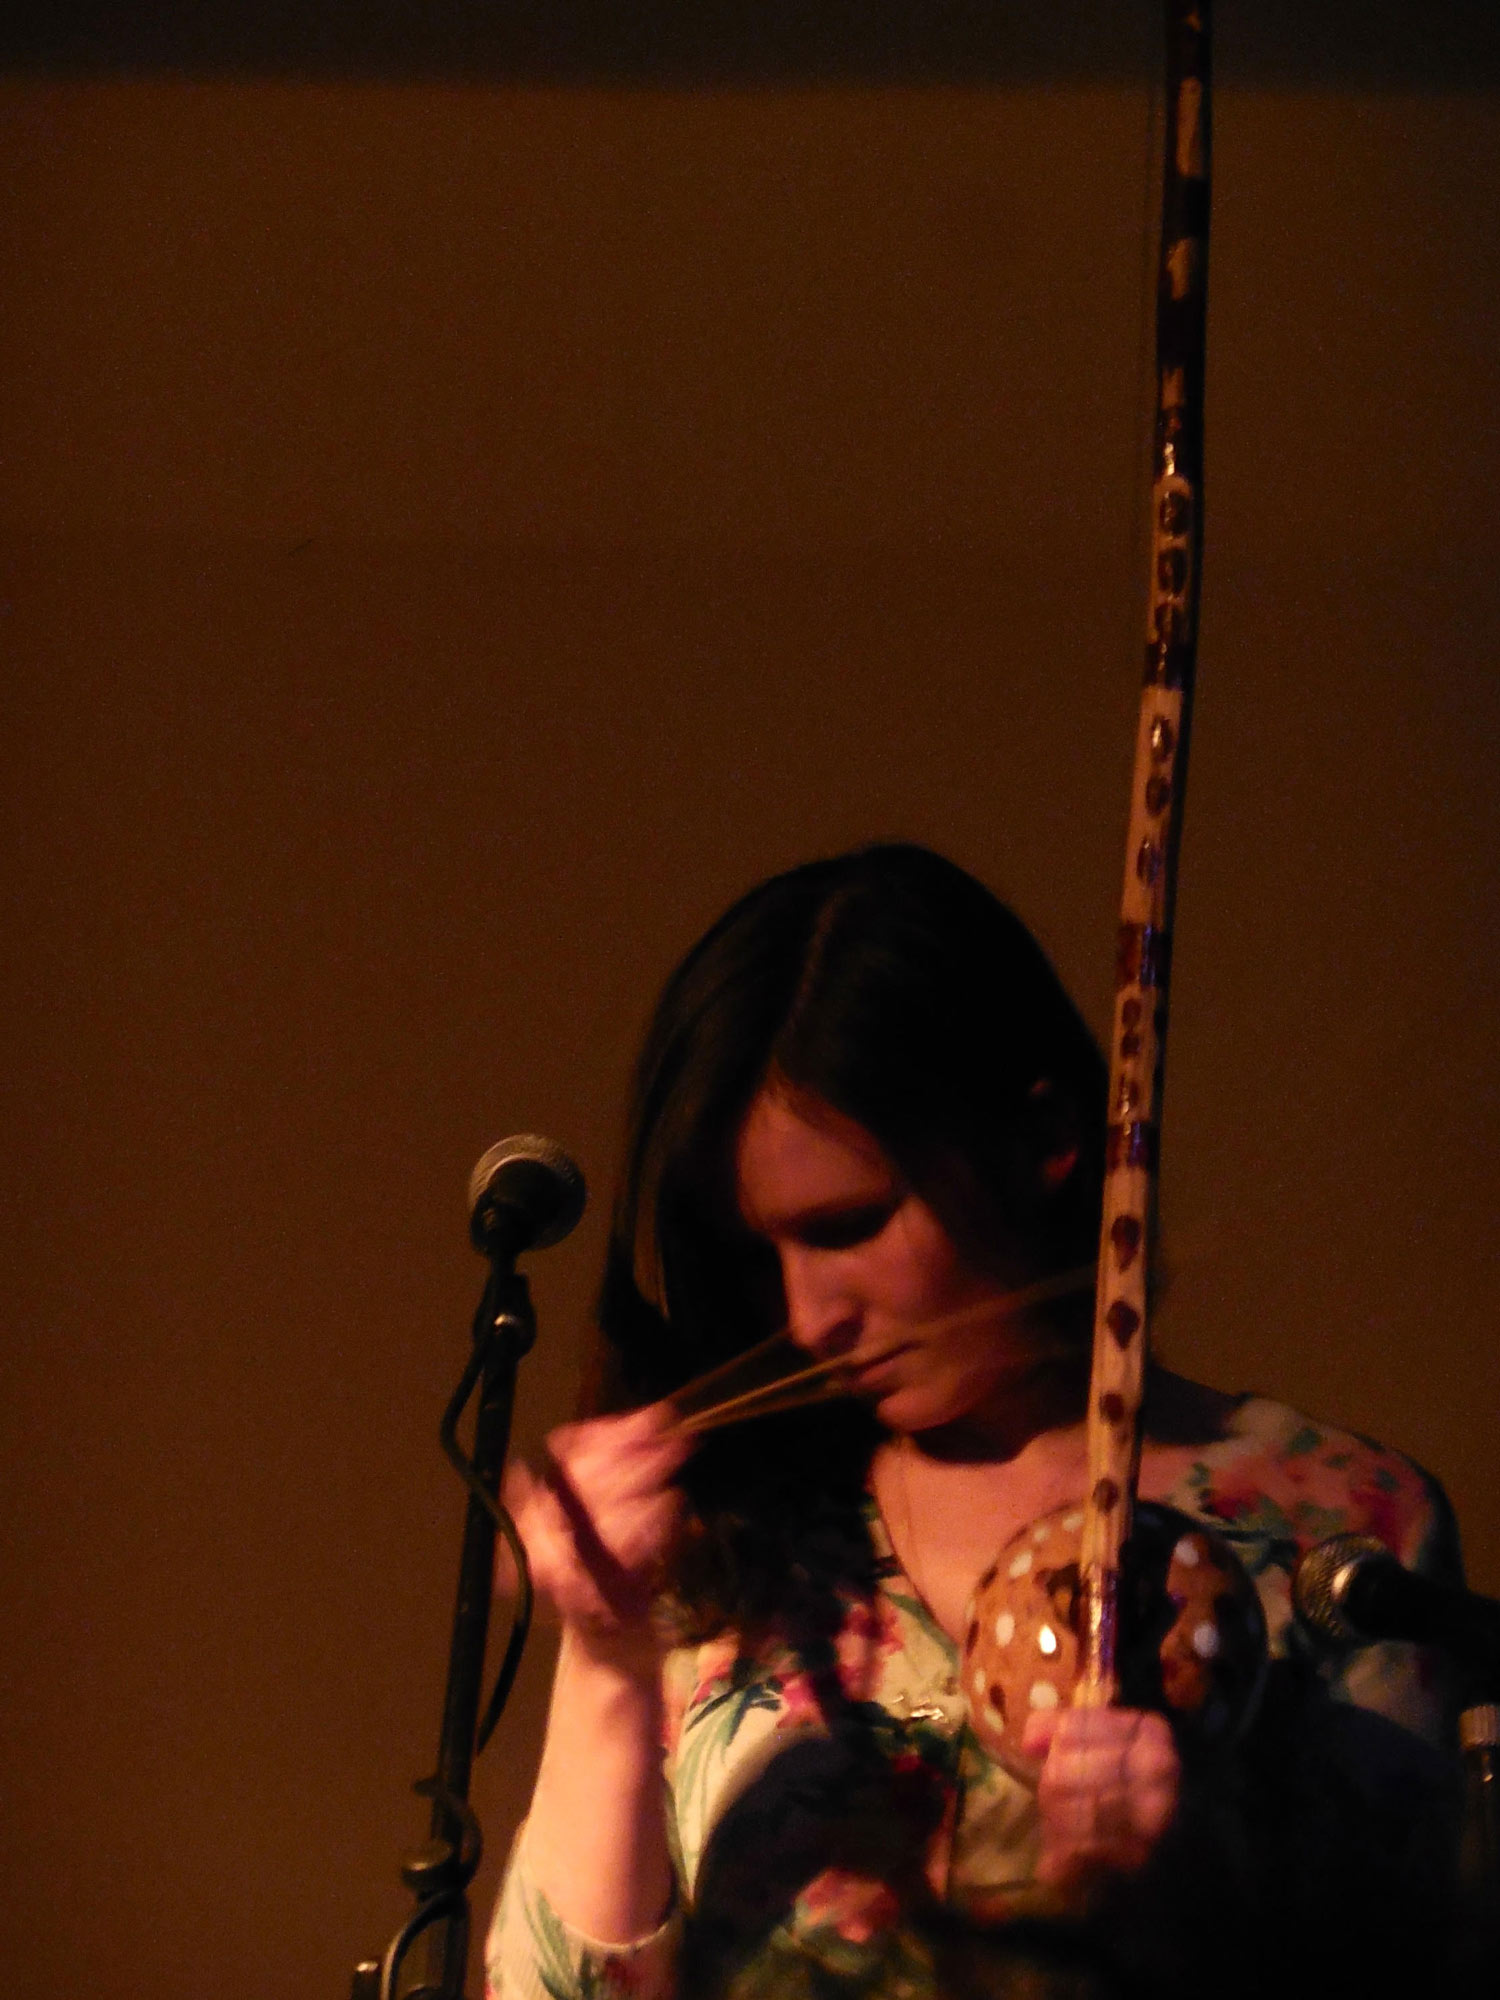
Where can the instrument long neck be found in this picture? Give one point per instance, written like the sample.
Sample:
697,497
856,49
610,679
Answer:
1143,965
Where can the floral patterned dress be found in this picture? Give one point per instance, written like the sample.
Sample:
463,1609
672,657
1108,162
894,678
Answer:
820,1799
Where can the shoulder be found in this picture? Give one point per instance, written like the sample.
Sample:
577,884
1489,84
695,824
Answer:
1280,1476
1277,1482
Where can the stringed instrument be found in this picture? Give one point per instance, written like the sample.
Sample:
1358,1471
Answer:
1105,1600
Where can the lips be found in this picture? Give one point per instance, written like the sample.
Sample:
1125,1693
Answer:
876,1375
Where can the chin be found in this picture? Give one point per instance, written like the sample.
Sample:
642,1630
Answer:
916,1409
938,1402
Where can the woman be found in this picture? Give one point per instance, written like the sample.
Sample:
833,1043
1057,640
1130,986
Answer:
867,1110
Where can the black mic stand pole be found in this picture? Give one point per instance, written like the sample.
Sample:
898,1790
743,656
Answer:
439,1872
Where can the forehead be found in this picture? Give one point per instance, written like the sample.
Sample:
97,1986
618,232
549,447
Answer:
797,1156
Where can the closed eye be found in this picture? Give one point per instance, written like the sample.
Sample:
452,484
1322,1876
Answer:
841,1229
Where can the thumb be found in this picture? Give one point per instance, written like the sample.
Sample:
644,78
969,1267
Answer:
1038,1731
517,1495
517,1486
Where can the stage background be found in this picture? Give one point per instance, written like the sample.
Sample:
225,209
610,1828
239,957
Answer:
478,490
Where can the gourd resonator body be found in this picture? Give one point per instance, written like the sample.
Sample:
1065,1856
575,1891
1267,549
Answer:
1192,1632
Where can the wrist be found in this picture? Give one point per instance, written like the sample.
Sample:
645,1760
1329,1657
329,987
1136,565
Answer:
611,1670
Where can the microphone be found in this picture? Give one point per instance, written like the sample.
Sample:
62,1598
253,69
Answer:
1350,1591
525,1194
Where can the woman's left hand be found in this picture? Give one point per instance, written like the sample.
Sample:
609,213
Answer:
1108,1790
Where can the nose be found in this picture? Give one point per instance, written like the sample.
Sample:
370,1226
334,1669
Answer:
822,1310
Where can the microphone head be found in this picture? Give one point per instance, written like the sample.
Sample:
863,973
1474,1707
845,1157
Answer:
524,1194
1320,1585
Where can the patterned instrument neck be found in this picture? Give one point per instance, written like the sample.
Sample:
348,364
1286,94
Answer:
1117,1383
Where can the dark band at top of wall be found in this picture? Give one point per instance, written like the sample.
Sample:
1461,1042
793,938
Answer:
1359,44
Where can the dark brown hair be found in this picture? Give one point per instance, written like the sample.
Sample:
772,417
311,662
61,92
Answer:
894,987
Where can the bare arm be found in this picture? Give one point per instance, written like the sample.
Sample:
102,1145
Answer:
596,1839
597,1523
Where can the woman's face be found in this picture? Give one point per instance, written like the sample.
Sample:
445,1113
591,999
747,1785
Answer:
872,1276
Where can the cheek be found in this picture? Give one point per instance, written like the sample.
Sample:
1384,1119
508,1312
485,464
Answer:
977,1357
920,1262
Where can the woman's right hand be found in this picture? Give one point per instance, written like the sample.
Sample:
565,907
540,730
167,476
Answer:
599,1516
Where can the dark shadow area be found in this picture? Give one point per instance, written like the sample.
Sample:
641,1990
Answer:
1358,43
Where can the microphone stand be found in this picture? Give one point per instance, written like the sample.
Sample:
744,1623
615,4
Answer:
439,1872
1478,1942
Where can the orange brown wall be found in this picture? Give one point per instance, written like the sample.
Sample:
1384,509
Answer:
456,534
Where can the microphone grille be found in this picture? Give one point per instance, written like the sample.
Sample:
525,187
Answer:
1321,1580
534,1174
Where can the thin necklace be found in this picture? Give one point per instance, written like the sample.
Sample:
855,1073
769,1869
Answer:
912,1560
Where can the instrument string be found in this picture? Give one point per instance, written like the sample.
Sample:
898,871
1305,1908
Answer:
716,1399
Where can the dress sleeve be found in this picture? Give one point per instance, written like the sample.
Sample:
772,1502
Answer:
531,1954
